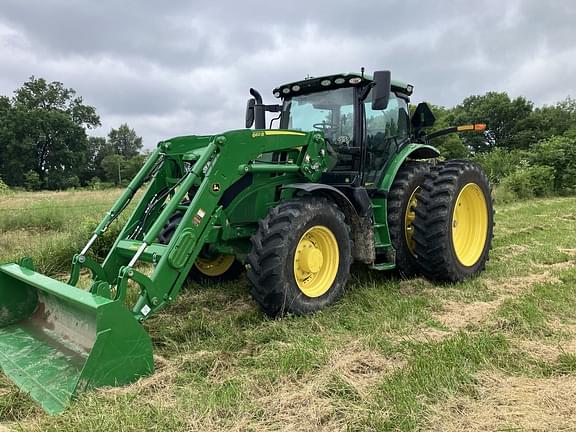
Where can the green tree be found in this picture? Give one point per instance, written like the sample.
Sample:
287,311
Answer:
114,167
43,129
98,149
133,165
504,117
124,141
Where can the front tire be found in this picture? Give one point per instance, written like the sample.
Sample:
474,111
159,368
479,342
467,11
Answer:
454,222
301,256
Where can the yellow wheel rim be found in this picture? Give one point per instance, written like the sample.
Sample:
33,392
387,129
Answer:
316,261
216,266
409,217
470,224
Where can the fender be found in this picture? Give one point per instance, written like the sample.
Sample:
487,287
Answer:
413,151
337,196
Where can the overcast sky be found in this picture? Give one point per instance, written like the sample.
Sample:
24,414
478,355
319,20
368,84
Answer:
184,67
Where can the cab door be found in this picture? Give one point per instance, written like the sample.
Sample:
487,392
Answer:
385,132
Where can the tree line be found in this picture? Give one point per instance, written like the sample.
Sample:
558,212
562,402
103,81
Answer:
44,141
527,151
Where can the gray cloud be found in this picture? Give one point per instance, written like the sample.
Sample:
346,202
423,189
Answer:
179,67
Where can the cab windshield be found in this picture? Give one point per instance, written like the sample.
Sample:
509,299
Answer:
329,111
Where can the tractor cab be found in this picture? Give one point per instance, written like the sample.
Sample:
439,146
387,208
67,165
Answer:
364,120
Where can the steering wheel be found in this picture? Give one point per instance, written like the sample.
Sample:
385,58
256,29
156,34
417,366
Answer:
324,126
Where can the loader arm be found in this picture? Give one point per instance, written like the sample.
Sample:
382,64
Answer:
215,168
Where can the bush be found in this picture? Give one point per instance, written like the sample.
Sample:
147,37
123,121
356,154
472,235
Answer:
454,148
32,181
95,183
528,182
559,153
72,182
503,195
4,189
500,163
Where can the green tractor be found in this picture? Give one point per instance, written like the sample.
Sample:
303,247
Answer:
346,176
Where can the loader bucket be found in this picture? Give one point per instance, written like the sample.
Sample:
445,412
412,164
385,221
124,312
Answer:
57,340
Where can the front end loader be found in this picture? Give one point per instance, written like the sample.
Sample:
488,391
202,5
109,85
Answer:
347,176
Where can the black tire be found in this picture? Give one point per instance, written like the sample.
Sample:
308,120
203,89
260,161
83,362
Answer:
435,223
271,263
196,274
408,180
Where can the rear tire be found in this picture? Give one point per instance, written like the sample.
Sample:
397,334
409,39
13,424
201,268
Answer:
301,256
454,222
402,202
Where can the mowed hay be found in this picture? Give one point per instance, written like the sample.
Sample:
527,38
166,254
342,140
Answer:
571,252
546,351
458,315
161,379
318,402
509,403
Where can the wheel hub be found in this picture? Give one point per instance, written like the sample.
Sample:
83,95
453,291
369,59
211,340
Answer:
316,261
311,258
469,224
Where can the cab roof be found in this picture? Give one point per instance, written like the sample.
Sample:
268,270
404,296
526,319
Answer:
329,82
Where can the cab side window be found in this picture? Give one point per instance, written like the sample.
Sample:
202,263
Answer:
386,130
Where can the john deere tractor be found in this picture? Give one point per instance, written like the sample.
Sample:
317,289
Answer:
343,174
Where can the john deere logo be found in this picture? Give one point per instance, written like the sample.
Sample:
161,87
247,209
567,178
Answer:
216,187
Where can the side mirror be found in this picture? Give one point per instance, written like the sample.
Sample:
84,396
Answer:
250,112
423,116
381,90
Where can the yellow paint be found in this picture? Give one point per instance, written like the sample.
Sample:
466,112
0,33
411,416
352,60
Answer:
470,224
316,261
464,128
283,132
216,266
409,216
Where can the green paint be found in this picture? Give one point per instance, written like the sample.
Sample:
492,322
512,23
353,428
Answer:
70,340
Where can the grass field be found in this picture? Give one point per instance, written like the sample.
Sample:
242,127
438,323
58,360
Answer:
495,353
